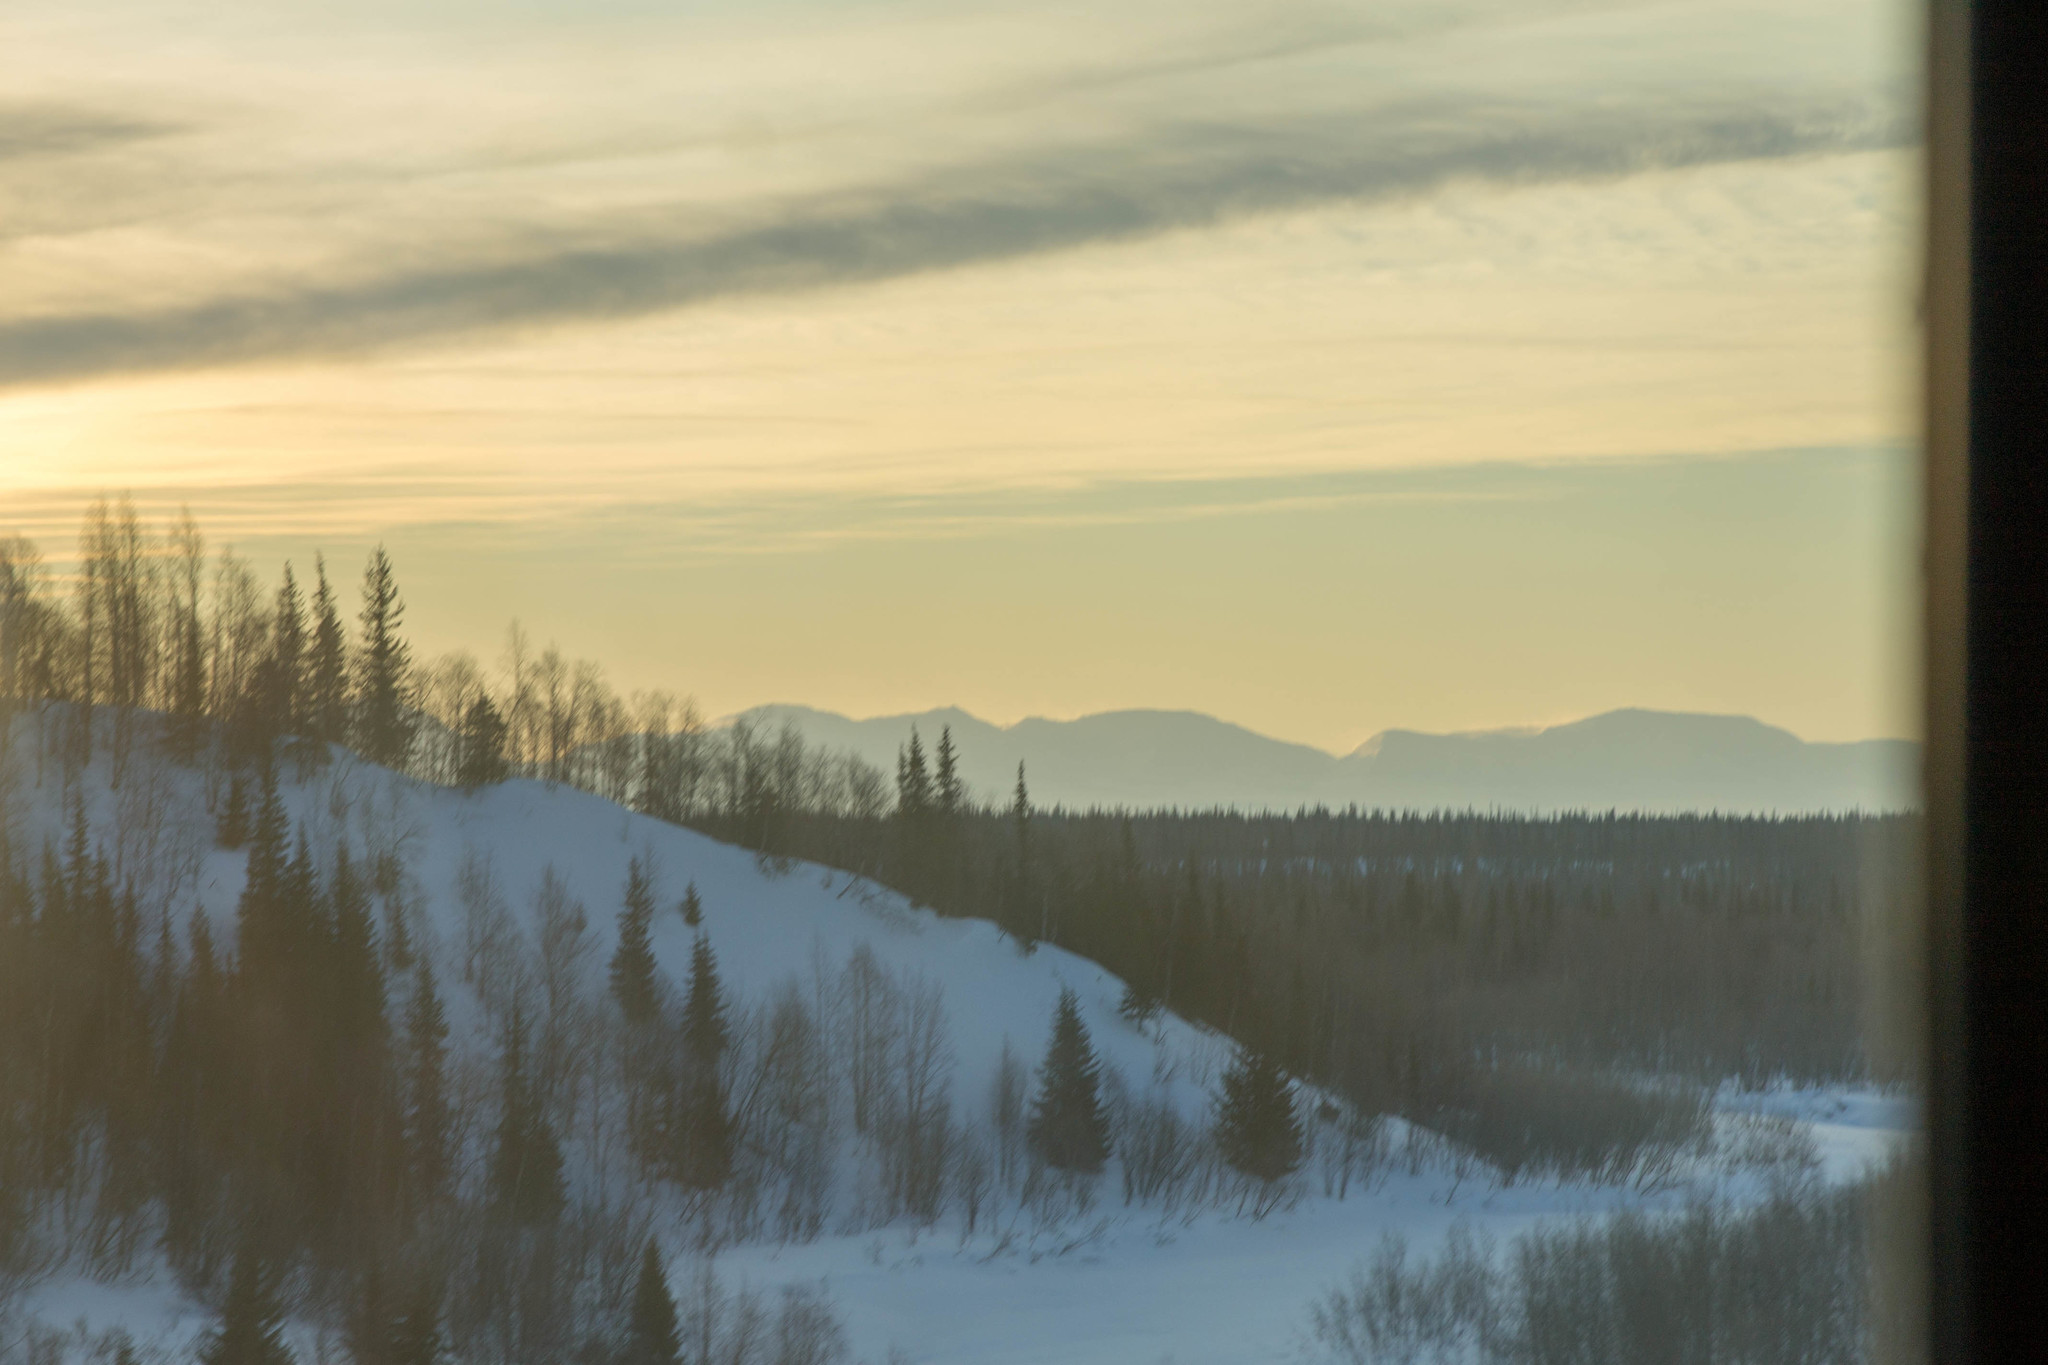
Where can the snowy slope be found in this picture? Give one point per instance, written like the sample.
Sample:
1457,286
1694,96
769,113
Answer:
1109,1283
767,926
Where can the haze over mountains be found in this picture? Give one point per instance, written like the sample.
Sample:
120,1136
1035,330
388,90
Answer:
1655,761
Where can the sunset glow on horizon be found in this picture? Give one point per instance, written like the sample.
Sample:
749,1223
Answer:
1326,368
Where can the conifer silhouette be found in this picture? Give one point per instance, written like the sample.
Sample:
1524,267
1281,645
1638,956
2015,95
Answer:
326,671
1067,1127
1256,1126
632,967
651,1335
704,1027
233,829
250,1331
384,722
426,1113
526,1162
701,1123
481,753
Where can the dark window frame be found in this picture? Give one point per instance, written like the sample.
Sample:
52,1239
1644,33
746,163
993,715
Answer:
1985,305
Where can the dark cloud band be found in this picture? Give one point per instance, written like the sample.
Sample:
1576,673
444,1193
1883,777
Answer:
1183,176
39,129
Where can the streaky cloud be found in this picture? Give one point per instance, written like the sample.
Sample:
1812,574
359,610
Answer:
1184,175
38,128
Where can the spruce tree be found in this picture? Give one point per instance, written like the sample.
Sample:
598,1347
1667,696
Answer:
1025,922
426,1099
233,828
1067,1127
942,843
1257,1130
1020,817
259,930
526,1164
632,967
383,720
913,817
692,906
651,1335
194,1102
703,1126
705,1129
481,756
287,654
326,674
704,1028
948,793
358,966
362,1095
913,781
250,1331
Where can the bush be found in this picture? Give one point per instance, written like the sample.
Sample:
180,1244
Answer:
1786,1282
1442,1310
1160,1152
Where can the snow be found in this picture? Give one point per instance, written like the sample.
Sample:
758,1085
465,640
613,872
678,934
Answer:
1117,1284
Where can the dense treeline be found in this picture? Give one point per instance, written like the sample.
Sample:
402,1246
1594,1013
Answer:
1387,951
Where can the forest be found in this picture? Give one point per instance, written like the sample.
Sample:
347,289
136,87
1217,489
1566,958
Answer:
281,1114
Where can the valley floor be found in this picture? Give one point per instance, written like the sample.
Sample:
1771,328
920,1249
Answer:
1118,1287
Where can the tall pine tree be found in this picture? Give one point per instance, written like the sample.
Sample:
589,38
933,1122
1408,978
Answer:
363,1099
426,1084
913,781
1025,914
261,934
326,674
702,1124
1067,1127
526,1163
949,794
251,1326
480,760
651,1335
914,806
383,719
632,967
704,1026
287,659
232,831
1257,1130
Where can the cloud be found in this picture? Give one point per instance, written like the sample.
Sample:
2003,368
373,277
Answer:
40,129
1173,176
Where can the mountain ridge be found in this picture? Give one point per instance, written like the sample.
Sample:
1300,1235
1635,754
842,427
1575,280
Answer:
1631,758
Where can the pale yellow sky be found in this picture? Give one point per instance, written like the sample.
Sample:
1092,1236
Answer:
780,333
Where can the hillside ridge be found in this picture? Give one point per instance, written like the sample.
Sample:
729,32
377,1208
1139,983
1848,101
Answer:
1632,758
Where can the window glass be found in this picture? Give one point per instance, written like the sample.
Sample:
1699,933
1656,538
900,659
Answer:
888,681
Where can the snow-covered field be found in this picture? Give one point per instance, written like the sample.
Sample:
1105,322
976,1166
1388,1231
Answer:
1113,1283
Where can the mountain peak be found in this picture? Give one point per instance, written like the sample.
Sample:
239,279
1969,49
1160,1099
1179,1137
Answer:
1632,758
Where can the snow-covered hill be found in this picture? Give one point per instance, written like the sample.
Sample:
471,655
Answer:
1085,1276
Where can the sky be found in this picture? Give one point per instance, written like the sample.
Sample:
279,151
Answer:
1325,367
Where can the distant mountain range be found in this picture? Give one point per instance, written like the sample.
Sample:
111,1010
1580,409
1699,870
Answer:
1622,760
